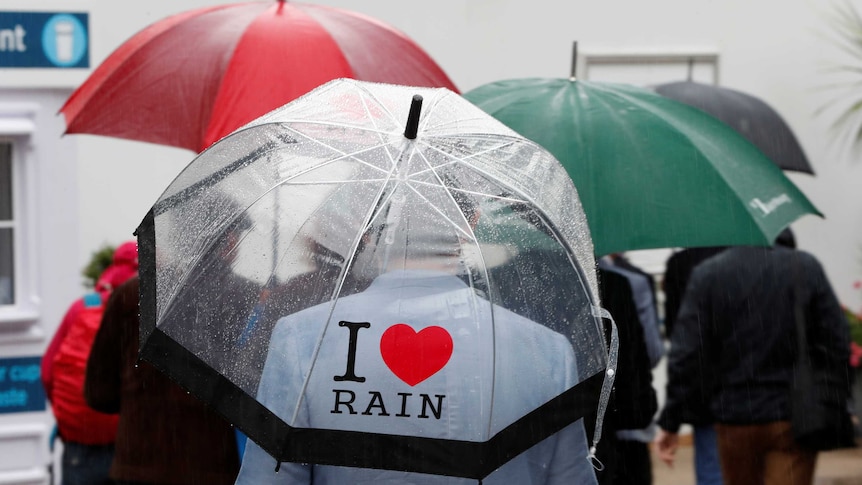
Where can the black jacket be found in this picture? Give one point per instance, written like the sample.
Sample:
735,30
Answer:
165,435
677,272
633,400
734,343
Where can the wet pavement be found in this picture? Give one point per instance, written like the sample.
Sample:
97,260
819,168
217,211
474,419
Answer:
842,467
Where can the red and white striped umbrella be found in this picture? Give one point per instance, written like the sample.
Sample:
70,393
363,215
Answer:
192,78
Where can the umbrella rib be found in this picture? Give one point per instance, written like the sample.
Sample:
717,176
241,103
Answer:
392,159
382,106
377,130
455,123
456,159
469,235
473,239
188,275
166,203
484,194
382,144
487,174
329,123
265,151
429,108
376,126
436,174
533,203
370,216
333,182
490,176
341,152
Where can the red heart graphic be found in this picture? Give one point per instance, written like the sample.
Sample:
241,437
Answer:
415,356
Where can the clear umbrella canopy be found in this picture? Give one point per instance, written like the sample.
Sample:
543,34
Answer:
320,270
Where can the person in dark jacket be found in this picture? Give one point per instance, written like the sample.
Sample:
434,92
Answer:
633,401
707,469
165,435
622,261
678,270
738,315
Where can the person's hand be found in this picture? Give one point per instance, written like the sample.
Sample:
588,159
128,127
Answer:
666,444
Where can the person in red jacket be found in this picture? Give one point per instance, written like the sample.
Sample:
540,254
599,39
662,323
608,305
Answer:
88,436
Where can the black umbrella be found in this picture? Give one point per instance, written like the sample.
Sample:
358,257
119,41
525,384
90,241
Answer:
750,116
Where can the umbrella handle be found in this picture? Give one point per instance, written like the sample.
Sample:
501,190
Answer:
413,118
573,76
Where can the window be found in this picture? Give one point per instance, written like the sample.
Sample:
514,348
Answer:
650,68
7,227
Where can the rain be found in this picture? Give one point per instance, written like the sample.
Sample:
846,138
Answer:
340,242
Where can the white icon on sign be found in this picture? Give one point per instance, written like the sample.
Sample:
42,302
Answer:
64,40
64,37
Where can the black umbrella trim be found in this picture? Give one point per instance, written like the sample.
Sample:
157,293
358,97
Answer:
456,458
146,234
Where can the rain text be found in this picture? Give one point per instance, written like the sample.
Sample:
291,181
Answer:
345,399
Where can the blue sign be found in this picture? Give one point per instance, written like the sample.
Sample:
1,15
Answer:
44,39
20,385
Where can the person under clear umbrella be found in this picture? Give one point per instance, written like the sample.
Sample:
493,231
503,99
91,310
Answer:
421,285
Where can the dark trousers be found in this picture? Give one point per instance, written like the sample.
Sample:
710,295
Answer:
626,462
86,464
763,454
635,467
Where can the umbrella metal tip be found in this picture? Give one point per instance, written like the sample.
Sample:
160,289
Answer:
412,127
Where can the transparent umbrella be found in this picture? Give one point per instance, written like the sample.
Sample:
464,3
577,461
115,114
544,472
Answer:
403,325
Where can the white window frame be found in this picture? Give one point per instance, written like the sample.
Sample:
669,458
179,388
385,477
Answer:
17,126
588,58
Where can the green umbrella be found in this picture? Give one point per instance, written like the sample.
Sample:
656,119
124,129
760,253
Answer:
650,172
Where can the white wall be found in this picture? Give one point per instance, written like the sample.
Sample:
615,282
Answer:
47,271
772,49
